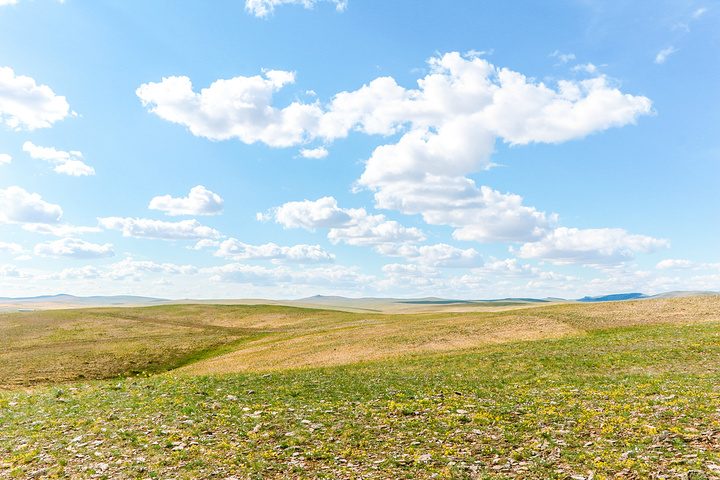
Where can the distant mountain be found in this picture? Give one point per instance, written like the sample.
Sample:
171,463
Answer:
71,299
614,298
684,294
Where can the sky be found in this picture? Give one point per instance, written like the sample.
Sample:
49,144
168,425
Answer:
287,148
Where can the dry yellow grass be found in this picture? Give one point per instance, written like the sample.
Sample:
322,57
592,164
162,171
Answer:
372,337
62,345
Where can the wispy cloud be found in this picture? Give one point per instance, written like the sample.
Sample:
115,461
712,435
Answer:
664,54
264,8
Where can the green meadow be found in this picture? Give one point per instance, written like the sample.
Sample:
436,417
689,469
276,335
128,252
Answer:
577,391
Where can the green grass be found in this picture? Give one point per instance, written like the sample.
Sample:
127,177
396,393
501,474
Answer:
637,401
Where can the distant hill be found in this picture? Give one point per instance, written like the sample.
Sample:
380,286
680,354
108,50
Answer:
614,298
365,304
49,302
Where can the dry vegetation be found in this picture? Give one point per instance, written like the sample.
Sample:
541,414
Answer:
579,391
92,343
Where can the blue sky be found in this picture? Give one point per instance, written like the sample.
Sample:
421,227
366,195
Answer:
287,148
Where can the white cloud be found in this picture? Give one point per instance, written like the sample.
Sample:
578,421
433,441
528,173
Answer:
134,269
19,206
145,228
415,276
264,8
594,247
236,108
256,275
65,162
440,255
26,105
9,271
88,272
75,168
333,277
322,213
563,57
448,127
128,269
205,243
74,248
670,264
664,54
336,276
510,267
301,254
64,230
455,117
699,12
12,248
588,68
5,158
316,153
200,201
479,214
353,225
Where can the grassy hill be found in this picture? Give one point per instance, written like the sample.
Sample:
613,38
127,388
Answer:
611,390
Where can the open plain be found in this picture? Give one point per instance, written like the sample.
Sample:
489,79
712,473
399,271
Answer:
598,390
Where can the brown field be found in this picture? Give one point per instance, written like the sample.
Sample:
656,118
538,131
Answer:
91,343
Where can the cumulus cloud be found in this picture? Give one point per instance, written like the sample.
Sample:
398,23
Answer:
25,105
9,271
19,206
134,269
200,201
301,254
256,275
5,158
467,95
316,153
510,267
440,255
594,247
236,108
74,248
335,276
672,264
353,226
405,275
264,8
65,162
453,120
12,248
664,54
128,269
88,272
145,228
447,129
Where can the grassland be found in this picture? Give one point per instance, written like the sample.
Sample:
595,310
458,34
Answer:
619,390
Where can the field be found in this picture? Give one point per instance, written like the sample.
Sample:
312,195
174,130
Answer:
606,390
